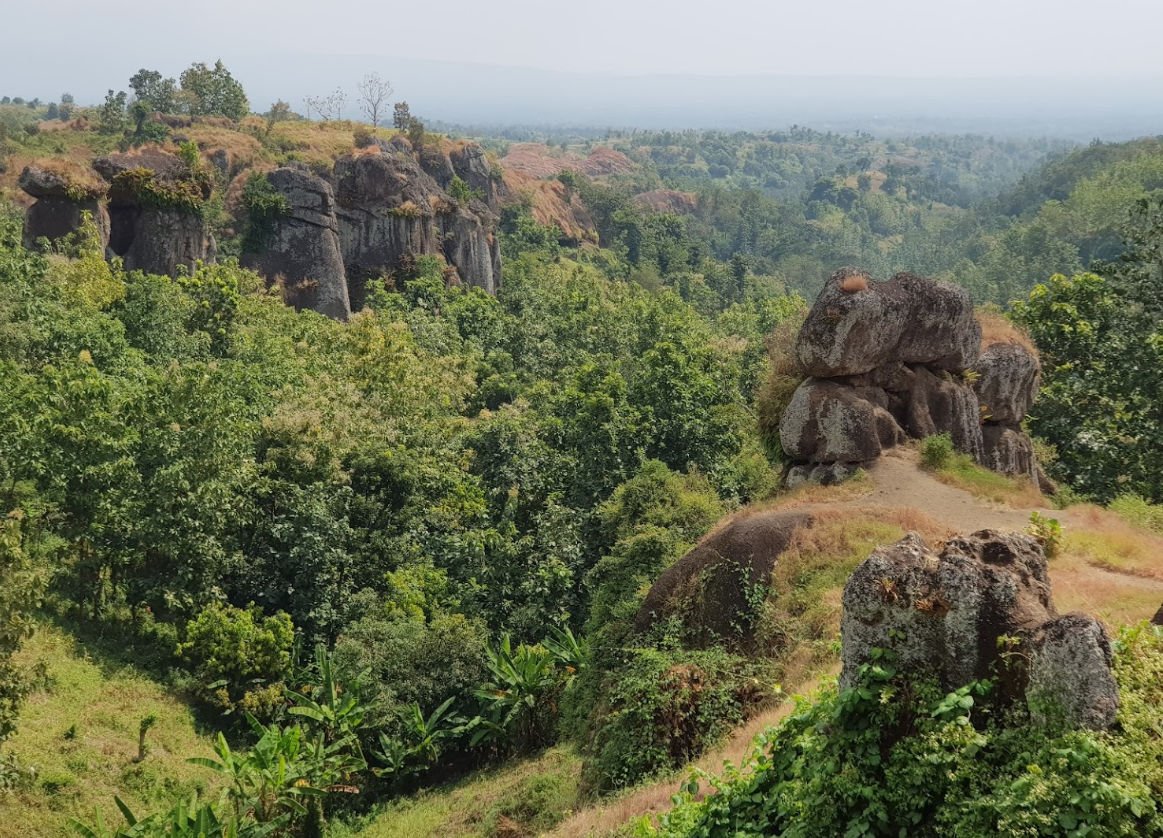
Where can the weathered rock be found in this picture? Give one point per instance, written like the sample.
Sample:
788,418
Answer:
303,247
706,590
60,206
1007,382
390,210
1008,450
151,234
473,167
1070,673
907,319
936,403
1158,618
827,422
942,615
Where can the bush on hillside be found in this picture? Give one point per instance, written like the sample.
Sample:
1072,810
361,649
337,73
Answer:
890,757
937,451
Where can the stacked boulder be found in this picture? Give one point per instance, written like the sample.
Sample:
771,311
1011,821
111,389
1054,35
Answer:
885,361
904,359
1008,375
980,608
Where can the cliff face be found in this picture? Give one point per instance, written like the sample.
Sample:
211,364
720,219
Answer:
375,211
302,248
155,212
390,207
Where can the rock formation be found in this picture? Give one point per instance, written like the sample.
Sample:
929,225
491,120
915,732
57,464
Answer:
889,361
302,247
981,608
155,211
390,209
62,199
886,361
1007,384
706,590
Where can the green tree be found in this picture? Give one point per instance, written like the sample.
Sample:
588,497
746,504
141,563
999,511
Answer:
213,91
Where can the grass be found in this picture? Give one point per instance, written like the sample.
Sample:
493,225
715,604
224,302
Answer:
526,797
961,472
78,739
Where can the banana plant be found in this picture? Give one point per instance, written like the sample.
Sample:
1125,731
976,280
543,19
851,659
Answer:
187,819
427,737
524,681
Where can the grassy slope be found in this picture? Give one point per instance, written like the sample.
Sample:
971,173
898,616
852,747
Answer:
76,775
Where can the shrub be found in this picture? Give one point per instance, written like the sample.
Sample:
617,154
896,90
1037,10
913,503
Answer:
239,657
1139,511
892,758
1048,532
783,377
937,451
662,708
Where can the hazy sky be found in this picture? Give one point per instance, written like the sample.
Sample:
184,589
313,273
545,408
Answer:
927,38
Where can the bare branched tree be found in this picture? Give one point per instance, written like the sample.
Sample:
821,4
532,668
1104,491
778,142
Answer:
327,107
374,93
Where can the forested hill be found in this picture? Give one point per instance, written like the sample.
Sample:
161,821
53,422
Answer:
383,546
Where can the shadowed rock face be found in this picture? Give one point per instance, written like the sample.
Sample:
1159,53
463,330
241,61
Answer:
390,209
59,208
907,319
148,236
942,615
830,422
303,246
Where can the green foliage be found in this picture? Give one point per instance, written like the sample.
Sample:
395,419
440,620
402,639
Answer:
239,657
519,702
213,91
937,451
1048,532
1139,512
19,593
664,708
886,758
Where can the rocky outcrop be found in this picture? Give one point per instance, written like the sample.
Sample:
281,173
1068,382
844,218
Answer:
61,203
390,210
981,608
302,247
857,325
1008,375
706,590
1158,618
886,362
155,211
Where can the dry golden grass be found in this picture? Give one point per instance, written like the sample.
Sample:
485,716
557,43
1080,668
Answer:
853,283
76,172
243,148
997,328
1018,492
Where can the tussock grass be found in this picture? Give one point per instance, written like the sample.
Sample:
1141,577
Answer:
526,797
1104,538
997,328
79,738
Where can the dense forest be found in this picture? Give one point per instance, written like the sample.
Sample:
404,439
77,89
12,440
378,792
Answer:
376,557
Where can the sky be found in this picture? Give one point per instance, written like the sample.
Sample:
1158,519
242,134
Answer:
912,38
1043,67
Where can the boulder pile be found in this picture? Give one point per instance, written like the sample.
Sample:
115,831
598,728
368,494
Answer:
889,361
980,608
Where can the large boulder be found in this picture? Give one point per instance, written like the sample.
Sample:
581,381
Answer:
1070,673
858,324
981,608
828,421
156,205
1008,375
302,248
62,199
706,590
